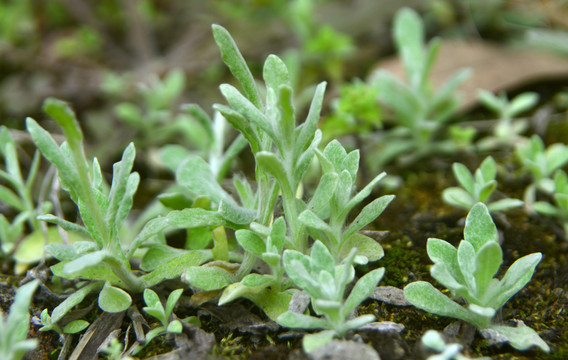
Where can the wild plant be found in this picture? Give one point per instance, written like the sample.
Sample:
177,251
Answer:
283,151
14,327
155,309
468,272
100,255
325,282
541,163
507,131
477,187
558,209
421,113
18,193
445,351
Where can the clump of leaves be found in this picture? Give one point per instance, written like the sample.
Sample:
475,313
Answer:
468,272
507,131
446,351
325,282
558,209
14,327
541,163
477,187
155,309
421,112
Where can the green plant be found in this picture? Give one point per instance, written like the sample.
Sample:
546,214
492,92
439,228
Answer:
541,163
559,209
19,196
282,152
325,282
420,111
115,351
14,328
468,272
433,340
100,254
155,309
507,131
51,322
477,187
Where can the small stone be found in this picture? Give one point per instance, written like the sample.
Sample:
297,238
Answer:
300,302
383,327
390,295
344,350
493,337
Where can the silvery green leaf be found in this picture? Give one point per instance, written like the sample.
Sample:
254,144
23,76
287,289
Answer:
120,177
521,337
151,299
298,268
310,342
239,122
75,326
351,164
335,153
244,190
278,234
273,165
113,299
430,58
85,261
458,197
368,215
175,267
357,322
490,101
366,191
175,327
487,190
516,277
464,177
250,242
248,286
275,73
127,199
366,247
247,109
208,277
479,227
203,118
73,300
545,208
236,214
445,93
487,262
49,148
295,320
65,117
408,33
426,297
505,204
466,261
308,128
310,219
17,320
522,103
172,301
61,252
195,174
96,272
236,63
362,290
444,277
556,157
488,169
324,192
306,157
153,333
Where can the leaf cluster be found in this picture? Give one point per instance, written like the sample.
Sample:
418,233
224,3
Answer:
468,272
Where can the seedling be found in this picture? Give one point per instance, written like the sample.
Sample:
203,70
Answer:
155,309
541,163
559,209
507,131
420,112
468,272
14,327
318,275
433,340
477,187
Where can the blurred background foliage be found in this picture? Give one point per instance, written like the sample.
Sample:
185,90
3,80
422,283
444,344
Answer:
126,66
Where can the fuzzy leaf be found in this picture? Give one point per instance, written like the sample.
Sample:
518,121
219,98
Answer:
458,197
324,192
362,289
310,342
113,299
275,73
365,245
516,277
466,261
522,337
308,128
505,204
208,277
479,227
236,214
75,326
175,267
195,174
487,262
234,60
272,165
65,117
368,215
250,242
72,300
295,321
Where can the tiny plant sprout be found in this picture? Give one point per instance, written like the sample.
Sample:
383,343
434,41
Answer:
155,309
433,340
507,131
325,282
14,327
559,209
468,272
477,187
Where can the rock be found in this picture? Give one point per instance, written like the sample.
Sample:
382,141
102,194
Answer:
390,295
300,302
383,327
344,350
